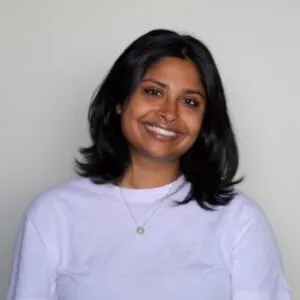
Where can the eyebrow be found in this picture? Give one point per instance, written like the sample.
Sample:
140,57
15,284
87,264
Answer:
164,85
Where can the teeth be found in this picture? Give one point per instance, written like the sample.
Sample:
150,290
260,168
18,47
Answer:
161,131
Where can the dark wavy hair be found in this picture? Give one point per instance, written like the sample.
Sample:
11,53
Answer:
210,165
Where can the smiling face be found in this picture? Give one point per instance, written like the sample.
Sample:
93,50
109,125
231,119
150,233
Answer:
163,117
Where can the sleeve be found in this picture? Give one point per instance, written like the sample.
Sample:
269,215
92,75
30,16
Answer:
257,271
33,275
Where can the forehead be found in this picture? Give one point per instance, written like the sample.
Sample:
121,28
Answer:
175,69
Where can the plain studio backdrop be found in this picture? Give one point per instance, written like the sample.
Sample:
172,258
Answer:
53,54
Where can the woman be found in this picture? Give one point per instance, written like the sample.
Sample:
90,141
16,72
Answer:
156,214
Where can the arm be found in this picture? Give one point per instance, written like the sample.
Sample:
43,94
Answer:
34,265
257,272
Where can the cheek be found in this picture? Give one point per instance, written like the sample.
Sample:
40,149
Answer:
127,124
135,108
130,117
194,124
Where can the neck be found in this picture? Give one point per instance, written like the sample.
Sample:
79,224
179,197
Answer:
143,174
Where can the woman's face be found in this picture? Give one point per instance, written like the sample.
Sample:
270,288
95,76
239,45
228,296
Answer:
163,117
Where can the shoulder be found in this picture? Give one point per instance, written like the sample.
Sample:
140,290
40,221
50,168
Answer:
242,208
243,221
245,228
62,199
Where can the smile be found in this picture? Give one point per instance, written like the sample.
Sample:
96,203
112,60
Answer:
161,131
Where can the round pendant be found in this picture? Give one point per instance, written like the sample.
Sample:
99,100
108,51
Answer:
140,230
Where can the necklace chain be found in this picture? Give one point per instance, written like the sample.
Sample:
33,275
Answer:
140,227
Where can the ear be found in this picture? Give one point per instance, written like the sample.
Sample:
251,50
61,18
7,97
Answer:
118,109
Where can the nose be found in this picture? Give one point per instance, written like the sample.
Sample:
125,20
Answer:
168,112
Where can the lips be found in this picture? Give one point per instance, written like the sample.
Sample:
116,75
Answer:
161,131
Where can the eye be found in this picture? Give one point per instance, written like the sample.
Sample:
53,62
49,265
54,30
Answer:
153,92
190,102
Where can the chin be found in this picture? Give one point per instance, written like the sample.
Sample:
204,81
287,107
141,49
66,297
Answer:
162,157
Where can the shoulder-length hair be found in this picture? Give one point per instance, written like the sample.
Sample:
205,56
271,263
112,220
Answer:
210,165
